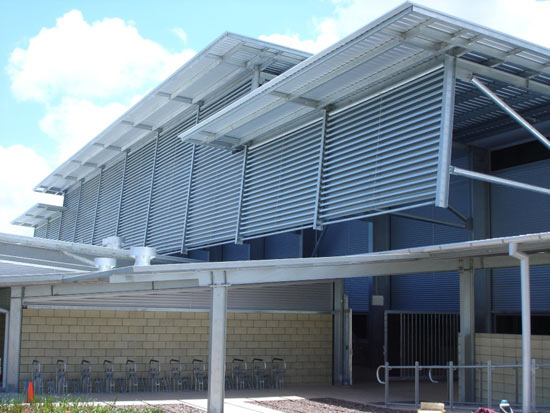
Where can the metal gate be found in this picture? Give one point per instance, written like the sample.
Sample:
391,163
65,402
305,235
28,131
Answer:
429,338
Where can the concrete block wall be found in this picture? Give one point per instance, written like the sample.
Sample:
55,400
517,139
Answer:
507,349
304,340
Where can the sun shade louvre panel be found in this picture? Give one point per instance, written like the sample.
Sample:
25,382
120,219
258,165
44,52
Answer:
68,219
87,210
169,196
280,183
108,202
41,231
383,152
214,197
234,94
135,196
54,226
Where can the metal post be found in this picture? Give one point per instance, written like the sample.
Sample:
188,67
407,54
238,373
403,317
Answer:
216,354
446,128
516,116
338,367
387,384
534,385
255,77
525,325
450,379
489,385
467,328
416,385
14,339
241,193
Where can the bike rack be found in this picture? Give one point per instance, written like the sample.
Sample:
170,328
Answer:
85,376
199,374
178,382
239,374
278,371
109,376
61,386
261,375
154,371
36,379
132,383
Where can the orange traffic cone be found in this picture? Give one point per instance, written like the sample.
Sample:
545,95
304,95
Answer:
30,393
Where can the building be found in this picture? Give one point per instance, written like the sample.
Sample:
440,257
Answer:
416,131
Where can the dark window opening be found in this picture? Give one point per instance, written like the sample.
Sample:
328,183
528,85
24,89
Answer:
511,324
518,155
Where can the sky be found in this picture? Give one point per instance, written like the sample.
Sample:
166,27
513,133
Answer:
69,68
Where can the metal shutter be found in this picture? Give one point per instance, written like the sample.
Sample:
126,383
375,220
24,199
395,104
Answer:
515,212
383,152
68,218
86,211
214,197
54,226
41,231
169,196
212,107
108,202
280,183
136,194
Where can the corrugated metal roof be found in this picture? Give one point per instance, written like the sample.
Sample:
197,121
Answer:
398,45
222,62
38,214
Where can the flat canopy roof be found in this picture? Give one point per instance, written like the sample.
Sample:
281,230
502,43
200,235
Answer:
224,60
38,214
401,44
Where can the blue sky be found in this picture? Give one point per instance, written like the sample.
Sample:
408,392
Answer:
69,68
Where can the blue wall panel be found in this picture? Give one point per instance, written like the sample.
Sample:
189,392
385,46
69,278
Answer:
517,212
286,245
235,252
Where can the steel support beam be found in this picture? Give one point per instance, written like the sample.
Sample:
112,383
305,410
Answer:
525,326
467,332
338,332
516,116
216,353
14,339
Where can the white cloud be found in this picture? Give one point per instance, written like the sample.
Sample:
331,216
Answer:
103,60
74,122
178,31
527,19
20,170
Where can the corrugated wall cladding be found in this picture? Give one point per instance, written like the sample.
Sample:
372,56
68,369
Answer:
169,196
214,197
280,183
54,226
85,220
135,195
384,151
210,108
108,202
68,219
531,212
41,231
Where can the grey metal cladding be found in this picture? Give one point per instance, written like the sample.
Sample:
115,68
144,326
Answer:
107,207
86,211
212,107
169,196
383,152
41,231
214,197
54,226
68,218
135,195
280,183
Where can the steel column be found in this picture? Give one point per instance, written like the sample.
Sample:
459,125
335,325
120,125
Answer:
516,116
525,325
14,339
338,362
216,353
446,138
467,331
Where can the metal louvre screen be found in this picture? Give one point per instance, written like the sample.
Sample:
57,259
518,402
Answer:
108,202
383,152
68,219
211,108
169,196
41,231
214,197
280,183
87,210
135,195
53,228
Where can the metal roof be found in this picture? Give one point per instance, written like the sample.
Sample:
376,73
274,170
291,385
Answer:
38,214
393,48
225,60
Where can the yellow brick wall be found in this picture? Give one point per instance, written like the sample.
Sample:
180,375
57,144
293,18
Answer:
506,349
304,340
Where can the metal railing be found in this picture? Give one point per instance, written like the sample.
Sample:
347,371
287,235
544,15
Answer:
450,368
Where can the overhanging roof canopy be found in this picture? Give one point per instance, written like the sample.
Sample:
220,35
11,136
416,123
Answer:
38,215
395,47
224,60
